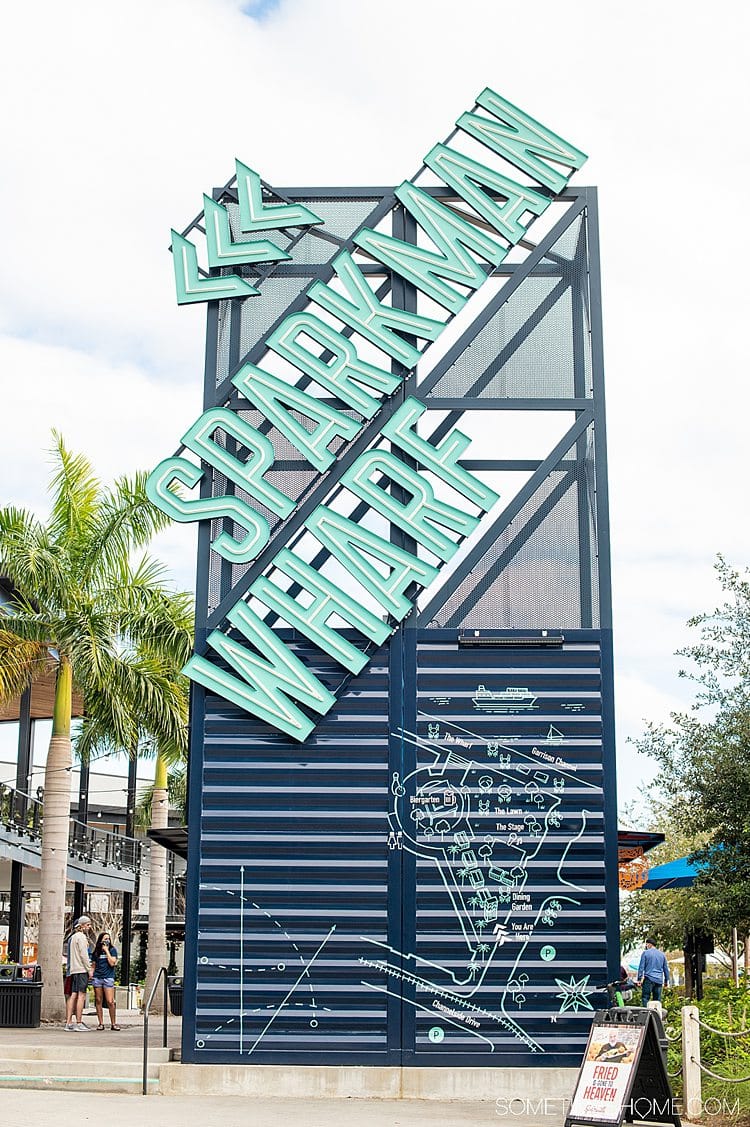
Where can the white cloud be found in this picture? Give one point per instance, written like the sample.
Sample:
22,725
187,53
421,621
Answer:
115,413
118,118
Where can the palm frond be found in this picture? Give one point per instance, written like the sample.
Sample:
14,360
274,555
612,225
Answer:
21,662
138,695
15,522
75,492
29,558
28,626
160,622
126,520
89,635
93,739
110,724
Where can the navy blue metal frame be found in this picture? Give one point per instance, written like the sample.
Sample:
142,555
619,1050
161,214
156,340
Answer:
567,455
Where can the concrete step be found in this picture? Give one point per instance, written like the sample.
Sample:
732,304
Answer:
114,1075
83,1047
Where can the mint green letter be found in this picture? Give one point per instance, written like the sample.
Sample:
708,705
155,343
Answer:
419,515
186,509
274,397
441,459
312,619
351,544
426,268
465,174
271,676
359,308
343,373
520,139
248,475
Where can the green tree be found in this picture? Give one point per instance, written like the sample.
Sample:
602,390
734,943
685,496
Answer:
703,756
666,914
103,624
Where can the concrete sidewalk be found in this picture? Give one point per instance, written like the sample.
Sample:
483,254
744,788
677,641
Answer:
70,1109
66,1108
130,1034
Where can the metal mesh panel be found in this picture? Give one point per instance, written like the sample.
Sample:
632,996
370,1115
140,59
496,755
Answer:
257,316
568,244
526,350
219,486
588,470
343,217
533,577
223,338
312,250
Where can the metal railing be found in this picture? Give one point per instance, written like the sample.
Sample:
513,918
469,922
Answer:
22,815
103,847
162,975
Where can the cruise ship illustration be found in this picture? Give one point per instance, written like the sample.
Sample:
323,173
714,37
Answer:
507,700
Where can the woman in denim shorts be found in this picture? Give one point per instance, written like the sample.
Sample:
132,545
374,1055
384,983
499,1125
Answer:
104,961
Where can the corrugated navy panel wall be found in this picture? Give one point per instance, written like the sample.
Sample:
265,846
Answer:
294,867
508,813
423,880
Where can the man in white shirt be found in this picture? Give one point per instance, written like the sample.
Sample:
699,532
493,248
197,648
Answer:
80,971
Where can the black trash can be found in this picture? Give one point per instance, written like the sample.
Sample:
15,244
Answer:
174,984
20,997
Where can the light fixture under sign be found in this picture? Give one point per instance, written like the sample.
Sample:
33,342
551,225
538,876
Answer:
476,638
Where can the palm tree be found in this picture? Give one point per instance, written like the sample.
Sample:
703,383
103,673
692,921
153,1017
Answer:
153,810
81,608
97,735
176,792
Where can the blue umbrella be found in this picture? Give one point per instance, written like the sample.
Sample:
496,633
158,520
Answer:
674,874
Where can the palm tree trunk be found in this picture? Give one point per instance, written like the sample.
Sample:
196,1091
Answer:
55,829
157,889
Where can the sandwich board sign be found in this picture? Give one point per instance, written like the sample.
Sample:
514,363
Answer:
623,1075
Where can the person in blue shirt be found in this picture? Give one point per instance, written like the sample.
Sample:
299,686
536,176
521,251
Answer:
104,961
653,973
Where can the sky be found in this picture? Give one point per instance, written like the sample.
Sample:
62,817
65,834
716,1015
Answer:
118,117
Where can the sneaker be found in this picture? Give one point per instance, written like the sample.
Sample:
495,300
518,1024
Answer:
71,1026
81,1028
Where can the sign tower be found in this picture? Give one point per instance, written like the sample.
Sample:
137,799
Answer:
402,810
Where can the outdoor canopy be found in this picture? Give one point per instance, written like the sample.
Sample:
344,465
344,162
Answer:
674,874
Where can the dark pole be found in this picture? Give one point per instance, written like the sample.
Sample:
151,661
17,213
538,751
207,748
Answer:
82,815
127,897
23,786
700,966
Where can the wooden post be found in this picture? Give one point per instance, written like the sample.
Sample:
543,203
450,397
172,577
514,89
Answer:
691,1058
735,959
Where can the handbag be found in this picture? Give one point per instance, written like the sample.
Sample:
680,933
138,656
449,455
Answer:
67,984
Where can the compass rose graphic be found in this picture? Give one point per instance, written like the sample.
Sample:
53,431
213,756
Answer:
574,994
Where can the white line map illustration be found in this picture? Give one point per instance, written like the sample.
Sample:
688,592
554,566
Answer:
480,810
240,970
